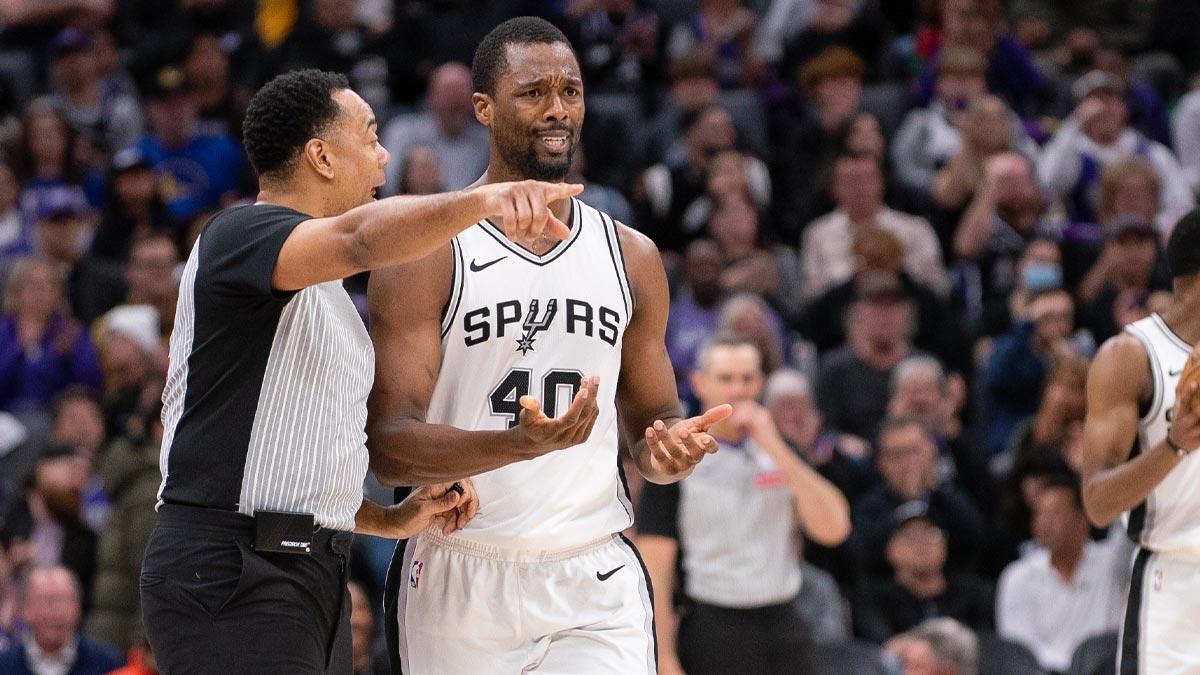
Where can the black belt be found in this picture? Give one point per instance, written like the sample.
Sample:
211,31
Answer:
242,526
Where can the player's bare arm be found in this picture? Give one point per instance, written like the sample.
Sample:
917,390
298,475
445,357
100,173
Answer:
423,507
406,303
665,448
1118,380
409,227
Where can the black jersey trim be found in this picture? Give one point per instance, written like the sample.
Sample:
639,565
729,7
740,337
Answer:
555,252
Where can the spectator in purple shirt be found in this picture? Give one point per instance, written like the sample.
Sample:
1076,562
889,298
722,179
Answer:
42,350
694,310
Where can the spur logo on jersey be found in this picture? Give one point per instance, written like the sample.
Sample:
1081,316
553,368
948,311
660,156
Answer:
578,317
533,325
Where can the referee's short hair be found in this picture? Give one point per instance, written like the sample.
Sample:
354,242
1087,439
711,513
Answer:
284,115
723,339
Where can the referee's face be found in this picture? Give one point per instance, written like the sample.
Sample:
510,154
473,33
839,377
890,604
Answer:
354,148
731,374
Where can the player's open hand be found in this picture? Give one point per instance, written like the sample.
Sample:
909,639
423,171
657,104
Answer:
677,450
524,208
428,504
541,434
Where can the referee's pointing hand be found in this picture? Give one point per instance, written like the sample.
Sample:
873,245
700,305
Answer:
524,207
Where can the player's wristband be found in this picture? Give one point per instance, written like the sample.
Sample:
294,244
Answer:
1179,451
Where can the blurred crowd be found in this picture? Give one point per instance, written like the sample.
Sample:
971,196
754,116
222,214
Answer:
925,215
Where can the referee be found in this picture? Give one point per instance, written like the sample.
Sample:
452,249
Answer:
263,455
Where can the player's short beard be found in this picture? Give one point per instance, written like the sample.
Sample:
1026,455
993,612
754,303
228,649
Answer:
522,155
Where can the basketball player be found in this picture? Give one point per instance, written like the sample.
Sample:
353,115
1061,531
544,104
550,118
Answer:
1139,444
510,362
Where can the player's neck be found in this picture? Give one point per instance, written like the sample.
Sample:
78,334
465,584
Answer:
498,172
1183,320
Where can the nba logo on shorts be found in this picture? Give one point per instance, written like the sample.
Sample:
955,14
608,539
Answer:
414,575
1158,580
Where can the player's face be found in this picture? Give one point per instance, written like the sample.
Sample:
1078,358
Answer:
537,111
359,156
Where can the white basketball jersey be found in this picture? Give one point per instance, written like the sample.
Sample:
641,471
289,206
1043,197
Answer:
519,323
1168,522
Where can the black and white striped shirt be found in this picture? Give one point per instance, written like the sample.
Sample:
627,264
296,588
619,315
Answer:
265,403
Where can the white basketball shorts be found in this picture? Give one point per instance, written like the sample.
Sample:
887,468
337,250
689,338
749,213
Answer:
1161,631
469,608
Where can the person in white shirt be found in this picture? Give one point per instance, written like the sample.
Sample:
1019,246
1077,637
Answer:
1096,135
1185,131
827,245
1067,590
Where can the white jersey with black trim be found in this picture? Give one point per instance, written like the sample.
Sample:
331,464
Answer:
518,323
1168,521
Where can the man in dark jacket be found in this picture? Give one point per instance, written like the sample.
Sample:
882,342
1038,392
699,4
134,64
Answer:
51,605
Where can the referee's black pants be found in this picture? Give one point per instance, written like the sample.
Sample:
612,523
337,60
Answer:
722,641
213,605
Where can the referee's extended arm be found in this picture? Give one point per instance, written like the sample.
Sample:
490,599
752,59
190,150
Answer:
405,228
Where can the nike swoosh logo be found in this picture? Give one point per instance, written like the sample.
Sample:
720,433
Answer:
606,575
475,267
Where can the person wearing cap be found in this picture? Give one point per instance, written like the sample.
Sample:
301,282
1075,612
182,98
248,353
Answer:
1129,194
857,187
879,255
1127,277
921,586
729,527
197,173
108,118
906,455
62,229
133,208
1096,135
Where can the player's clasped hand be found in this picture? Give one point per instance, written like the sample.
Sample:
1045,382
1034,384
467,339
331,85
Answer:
1185,417
433,503
541,434
524,208
681,447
